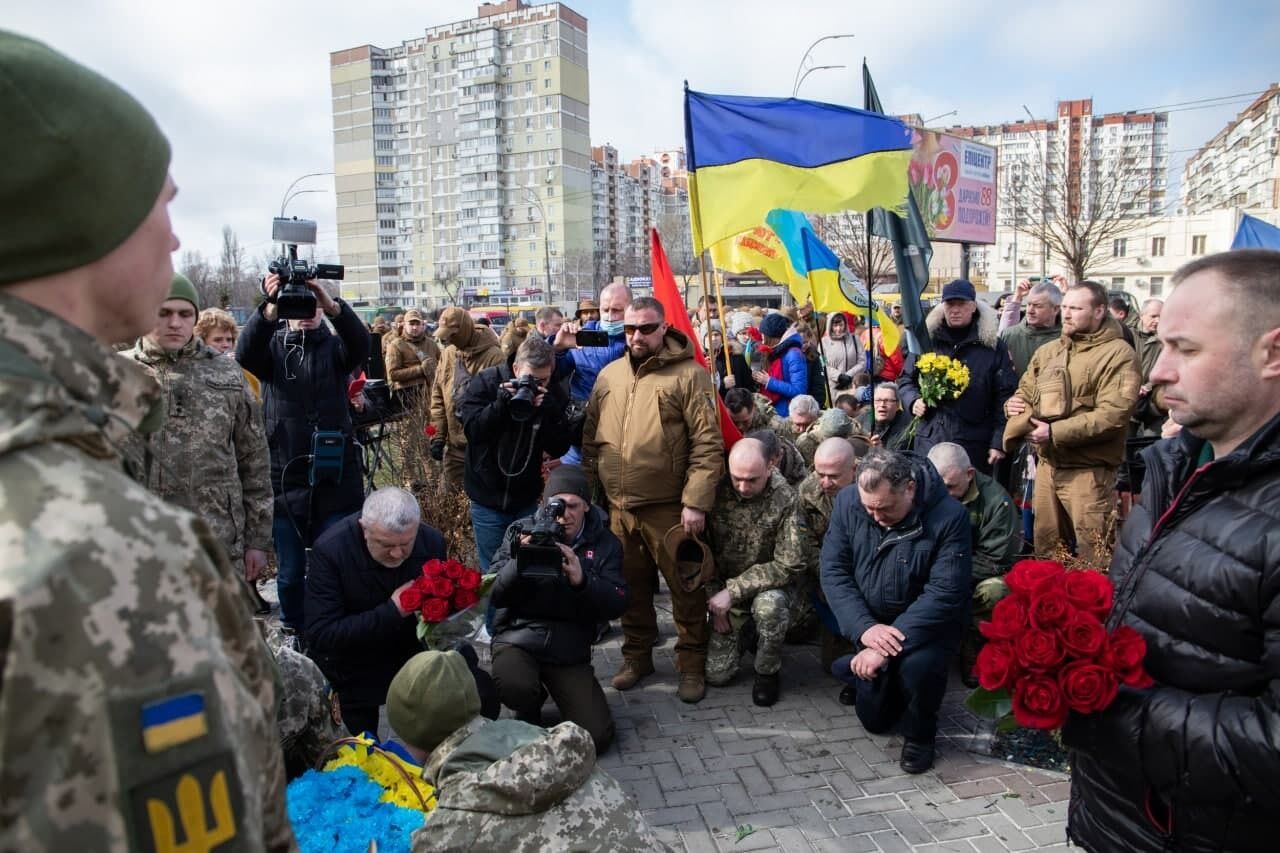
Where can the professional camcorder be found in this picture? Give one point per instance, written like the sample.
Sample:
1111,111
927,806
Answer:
520,406
294,300
541,557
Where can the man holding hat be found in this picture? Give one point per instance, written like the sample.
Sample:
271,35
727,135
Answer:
505,784
411,358
544,624
133,676
210,457
968,331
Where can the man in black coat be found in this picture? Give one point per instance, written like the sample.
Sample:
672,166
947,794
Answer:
545,622
1192,763
967,330
506,439
357,630
304,369
896,564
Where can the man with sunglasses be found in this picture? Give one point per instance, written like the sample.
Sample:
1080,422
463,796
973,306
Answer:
652,443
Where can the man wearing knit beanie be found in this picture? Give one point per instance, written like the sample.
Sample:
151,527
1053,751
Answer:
135,668
505,784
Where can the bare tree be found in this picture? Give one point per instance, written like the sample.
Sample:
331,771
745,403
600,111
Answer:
448,279
578,267
846,234
677,242
231,267
1078,212
203,277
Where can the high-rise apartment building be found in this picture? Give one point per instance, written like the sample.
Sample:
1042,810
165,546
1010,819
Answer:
462,161
630,198
1240,166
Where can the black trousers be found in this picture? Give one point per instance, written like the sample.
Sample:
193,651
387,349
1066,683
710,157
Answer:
907,693
524,683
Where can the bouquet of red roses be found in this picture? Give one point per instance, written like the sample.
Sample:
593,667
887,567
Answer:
1048,651
447,597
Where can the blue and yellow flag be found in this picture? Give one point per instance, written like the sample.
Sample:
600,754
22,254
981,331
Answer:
748,156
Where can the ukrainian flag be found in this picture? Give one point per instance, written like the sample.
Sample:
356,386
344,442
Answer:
173,721
748,156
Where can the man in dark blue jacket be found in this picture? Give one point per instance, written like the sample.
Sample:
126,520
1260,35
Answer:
544,625
896,563
304,369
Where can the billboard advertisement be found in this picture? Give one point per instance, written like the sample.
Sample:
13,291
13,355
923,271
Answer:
954,183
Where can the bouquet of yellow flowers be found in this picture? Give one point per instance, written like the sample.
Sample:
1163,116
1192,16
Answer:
941,378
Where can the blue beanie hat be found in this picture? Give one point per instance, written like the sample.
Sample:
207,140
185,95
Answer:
774,325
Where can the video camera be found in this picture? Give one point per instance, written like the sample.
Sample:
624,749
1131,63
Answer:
520,405
541,557
294,300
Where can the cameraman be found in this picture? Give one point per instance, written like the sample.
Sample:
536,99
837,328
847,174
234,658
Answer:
543,627
511,416
303,368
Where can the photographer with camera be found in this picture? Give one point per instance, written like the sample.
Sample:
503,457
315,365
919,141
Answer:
512,415
559,574
315,465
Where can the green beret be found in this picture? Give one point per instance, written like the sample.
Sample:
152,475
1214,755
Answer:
81,162
182,288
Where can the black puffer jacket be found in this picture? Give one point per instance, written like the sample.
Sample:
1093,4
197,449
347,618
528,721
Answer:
1193,763
914,575
549,619
304,379
975,420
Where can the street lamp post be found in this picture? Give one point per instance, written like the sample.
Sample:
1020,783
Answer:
943,115
1044,186
795,86
286,198
546,249
809,71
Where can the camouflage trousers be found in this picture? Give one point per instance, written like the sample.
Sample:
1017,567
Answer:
772,612
986,594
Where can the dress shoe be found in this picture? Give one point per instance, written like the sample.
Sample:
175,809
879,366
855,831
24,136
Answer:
693,686
630,674
765,691
849,695
917,755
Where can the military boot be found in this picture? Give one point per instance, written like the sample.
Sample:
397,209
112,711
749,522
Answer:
693,686
765,691
630,673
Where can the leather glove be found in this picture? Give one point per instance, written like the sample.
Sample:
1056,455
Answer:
437,449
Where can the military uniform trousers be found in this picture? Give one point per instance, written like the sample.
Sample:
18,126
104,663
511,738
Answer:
640,531
524,683
1073,504
455,462
773,612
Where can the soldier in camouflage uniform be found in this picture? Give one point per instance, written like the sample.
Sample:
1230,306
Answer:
757,534
831,423
137,698
752,413
834,467
210,457
505,785
305,720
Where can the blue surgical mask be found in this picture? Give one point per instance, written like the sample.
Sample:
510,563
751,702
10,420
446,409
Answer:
612,328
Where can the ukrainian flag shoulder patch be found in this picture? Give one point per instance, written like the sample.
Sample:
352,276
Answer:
175,720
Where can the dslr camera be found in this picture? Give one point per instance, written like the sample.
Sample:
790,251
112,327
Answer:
520,404
541,557
294,300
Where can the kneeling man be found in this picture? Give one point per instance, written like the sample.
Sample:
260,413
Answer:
896,564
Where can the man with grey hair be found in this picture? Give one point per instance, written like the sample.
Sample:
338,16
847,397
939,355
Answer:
358,631
513,415
896,565
803,411
1040,325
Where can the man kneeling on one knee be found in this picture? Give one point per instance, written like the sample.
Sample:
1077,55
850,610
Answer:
756,535
546,613
896,565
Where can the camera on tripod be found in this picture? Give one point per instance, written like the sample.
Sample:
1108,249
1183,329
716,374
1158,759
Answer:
294,300
541,557
526,389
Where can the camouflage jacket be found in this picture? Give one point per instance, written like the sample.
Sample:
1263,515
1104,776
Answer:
764,417
820,430
210,456
758,542
305,720
504,785
815,506
137,698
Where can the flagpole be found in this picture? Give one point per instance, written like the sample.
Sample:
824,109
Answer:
724,321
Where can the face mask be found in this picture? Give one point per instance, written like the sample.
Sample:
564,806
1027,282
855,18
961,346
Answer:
611,328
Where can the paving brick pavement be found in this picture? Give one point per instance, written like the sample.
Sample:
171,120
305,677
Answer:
806,776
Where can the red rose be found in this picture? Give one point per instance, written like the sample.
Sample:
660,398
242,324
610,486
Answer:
1083,635
1123,655
442,588
1028,576
1089,590
470,580
1039,650
464,598
435,610
1087,687
1009,619
433,568
454,570
1038,703
410,598
1049,609
997,666
429,430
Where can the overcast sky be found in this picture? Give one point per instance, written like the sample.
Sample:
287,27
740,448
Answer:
242,86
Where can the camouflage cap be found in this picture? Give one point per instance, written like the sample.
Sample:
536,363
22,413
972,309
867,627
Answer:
431,697
693,560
